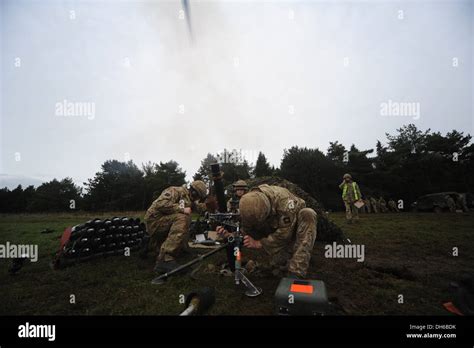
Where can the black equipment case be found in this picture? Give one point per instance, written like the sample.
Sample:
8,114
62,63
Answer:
301,297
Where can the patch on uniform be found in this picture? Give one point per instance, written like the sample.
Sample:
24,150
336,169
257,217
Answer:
167,194
291,204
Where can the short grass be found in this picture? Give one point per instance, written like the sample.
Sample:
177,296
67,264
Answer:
405,254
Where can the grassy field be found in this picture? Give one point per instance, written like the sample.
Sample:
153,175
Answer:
407,254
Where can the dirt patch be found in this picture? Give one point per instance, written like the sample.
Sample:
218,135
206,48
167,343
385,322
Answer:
398,271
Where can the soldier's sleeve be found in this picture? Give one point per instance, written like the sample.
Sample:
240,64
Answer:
341,186
168,202
358,190
279,239
229,205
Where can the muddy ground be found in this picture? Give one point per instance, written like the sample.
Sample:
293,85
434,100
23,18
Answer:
405,254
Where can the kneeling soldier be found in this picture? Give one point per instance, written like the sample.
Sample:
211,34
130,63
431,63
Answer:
277,221
168,219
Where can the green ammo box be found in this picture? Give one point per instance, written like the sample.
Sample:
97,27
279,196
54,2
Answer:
301,297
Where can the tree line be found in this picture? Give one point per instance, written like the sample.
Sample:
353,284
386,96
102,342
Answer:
411,163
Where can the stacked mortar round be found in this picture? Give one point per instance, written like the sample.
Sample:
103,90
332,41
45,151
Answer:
98,238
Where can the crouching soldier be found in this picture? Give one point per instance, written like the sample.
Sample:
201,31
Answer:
168,219
240,188
278,222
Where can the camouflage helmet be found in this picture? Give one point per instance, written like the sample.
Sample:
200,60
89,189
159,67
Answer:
240,185
200,187
347,175
254,208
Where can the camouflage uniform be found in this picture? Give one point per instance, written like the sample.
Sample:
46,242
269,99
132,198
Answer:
350,195
392,206
288,231
374,204
167,224
367,206
382,205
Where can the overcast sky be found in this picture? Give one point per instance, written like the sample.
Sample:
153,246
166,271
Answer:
257,76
